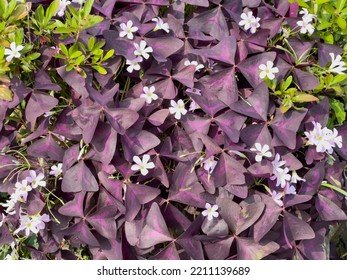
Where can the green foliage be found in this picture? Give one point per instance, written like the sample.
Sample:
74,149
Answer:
76,21
79,55
291,95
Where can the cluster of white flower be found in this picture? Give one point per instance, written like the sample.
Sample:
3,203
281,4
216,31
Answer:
249,22
141,51
306,22
268,70
337,66
324,139
22,189
283,179
33,223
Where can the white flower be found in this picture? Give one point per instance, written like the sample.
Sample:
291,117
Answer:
261,151
296,178
198,66
193,106
337,66
22,189
211,211
36,180
134,64
306,15
286,32
149,94
62,7
281,176
128,30
277,198
40,221
79,1
289,189
177,108
10,205
210,164
249,22
255,25
56,170
268,70
161,25
142,49
305,27
142,165
277,163
323,138
32,223
13,51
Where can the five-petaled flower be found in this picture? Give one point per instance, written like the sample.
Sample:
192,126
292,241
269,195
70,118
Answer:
211,211
281,176
134,64
268,70
142,165
21,191
177,108
161,25
127,30
261,151
337,66
249,22
13,51
36,180
56,170
149,94
142,49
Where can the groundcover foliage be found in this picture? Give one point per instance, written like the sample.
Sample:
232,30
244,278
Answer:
188,129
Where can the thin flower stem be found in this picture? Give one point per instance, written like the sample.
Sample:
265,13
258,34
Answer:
341,191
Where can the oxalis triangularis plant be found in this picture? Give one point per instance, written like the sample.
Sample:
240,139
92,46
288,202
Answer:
173,130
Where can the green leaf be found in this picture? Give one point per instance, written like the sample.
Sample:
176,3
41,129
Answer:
88,7
341,22
33,56
305,98
324,25
51,10
338,79
64,49
5,93
339,110
100,69
109,54
91,43
75,54
287,83
79,60
340,5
